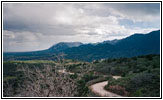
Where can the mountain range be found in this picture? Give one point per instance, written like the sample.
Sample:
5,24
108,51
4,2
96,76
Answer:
134,45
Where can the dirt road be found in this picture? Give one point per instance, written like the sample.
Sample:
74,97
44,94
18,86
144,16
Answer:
98,88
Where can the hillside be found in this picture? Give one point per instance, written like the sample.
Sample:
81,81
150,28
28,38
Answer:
137,44
134,45
140,76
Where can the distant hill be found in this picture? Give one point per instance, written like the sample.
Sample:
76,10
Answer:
64,45
42,54
134,45
115,41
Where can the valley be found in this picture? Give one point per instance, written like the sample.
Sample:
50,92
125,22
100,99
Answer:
128,67
140,77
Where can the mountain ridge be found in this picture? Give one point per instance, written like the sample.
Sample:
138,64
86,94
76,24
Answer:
134,45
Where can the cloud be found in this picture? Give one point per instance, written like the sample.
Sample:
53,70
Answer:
137,11
34,26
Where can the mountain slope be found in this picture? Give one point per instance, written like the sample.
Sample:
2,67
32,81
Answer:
134,45
63,45
43,54
137,44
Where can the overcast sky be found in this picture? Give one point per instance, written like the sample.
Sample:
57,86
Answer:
37,26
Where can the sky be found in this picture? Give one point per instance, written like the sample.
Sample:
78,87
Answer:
37,26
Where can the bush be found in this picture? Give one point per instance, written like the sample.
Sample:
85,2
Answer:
118,90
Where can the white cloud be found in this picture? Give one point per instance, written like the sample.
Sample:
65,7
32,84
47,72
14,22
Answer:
19,41
36,26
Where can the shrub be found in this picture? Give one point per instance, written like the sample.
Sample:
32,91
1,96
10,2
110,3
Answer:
118,90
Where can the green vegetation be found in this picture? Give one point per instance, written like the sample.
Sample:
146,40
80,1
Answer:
9,78
126,66
140,75
33,61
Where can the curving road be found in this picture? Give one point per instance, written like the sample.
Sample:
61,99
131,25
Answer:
98,88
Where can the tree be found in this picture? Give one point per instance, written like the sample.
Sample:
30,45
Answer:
47,82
